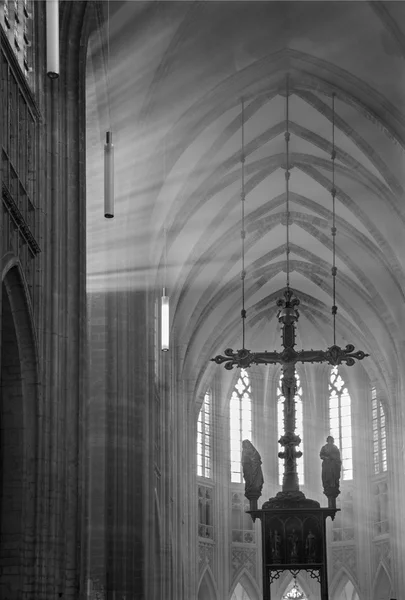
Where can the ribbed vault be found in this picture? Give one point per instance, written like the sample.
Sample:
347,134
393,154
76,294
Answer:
181,171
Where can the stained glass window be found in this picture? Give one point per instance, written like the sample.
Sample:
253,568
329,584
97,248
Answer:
298,430
240,408
204,438
379,434
340,420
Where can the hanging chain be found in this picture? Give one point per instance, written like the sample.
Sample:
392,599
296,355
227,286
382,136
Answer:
108,66
287,185
333,229
165,264
243,233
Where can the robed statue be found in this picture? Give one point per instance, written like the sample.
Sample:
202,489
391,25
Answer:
252,473
331,469
310,547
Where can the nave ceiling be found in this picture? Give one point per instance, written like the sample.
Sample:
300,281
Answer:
177,74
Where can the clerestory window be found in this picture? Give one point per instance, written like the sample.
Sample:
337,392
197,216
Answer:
240,409
340,421
204,436
379,434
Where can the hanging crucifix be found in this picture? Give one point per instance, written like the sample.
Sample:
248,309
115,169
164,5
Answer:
288,316
293,526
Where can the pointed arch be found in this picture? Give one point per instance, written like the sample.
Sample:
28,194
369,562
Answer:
157,583
207,590
343,586
288,584
15,292
382,584
248,588
19,439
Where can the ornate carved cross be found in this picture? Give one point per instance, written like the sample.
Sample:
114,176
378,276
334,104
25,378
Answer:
288,316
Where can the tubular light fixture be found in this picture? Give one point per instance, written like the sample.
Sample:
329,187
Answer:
165,322
108,176
165,315
52,38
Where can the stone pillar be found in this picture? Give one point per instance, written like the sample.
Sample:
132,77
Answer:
359,388
61,298
396,483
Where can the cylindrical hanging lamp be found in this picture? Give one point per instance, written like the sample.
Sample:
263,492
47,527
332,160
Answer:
165,322
108,177
52,38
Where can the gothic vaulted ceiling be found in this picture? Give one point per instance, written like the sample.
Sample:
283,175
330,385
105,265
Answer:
177,76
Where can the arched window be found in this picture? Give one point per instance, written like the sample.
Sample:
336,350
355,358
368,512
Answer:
379,434
340,420
298,430
240,408
204,438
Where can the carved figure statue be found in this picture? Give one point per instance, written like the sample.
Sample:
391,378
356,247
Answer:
276,546
331,467
310,547
293,545
252,470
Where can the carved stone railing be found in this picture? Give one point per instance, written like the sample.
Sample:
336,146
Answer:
20,118
17,23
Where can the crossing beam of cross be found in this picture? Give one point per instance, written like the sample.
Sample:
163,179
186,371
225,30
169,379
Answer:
288,316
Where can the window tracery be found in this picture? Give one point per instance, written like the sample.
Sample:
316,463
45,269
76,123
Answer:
343,525
205,520
19,118
340,421
204,438
379,434
242,525
240,408
380,492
